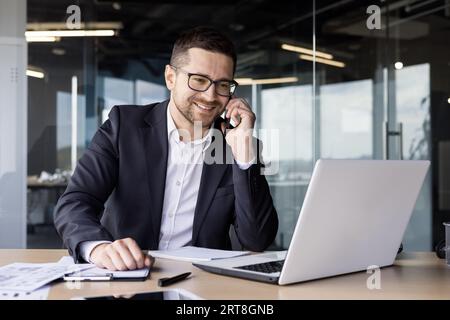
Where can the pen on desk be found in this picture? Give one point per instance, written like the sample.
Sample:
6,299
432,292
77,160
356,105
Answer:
168,281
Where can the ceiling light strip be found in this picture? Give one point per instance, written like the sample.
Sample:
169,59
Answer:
333,63
35,74
250,81
70,33
289,47
42,39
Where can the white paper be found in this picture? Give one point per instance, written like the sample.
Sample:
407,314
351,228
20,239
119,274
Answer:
39,294
194,254
31,276
68,261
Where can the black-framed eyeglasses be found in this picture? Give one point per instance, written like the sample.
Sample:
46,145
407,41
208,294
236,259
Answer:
201,83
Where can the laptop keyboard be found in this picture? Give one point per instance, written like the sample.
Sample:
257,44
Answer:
266,267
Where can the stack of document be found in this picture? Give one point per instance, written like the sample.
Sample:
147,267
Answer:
30,280
21,280
195,254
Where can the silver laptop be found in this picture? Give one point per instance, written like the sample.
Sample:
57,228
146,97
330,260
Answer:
354,215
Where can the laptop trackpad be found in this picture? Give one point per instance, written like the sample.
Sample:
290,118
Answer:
279,255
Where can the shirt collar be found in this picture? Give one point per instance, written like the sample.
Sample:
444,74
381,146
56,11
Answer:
173,132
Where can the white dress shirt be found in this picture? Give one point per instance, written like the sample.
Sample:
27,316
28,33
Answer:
184,171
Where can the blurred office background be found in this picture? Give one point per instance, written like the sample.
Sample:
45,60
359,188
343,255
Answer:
334,82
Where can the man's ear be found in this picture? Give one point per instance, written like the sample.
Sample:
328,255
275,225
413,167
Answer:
170,76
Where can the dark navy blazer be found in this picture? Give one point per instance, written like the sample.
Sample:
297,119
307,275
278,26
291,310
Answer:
117,190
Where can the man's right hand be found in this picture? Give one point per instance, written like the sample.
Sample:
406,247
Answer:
122,254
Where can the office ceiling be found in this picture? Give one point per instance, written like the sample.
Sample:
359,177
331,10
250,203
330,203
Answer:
257,27
150,27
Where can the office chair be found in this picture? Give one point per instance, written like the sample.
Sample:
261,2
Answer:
440,249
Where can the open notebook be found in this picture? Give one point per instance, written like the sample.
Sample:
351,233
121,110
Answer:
90,272
99,274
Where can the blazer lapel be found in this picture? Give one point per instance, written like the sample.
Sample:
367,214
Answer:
156,153
211,176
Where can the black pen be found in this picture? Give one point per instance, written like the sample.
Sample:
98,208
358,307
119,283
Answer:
168,281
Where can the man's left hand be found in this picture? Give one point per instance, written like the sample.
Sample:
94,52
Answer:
240,138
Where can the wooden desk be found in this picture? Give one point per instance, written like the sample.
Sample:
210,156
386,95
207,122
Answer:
418,275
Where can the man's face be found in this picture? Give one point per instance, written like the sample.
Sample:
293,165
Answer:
193,105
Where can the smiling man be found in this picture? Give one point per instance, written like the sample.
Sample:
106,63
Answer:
144,182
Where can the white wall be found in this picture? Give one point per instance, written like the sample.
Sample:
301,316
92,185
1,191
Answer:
13,123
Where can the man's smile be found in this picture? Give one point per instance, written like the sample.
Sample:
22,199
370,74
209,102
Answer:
203,107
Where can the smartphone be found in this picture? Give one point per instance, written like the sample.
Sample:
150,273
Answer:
227,120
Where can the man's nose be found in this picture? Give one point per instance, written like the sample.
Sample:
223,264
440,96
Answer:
211,92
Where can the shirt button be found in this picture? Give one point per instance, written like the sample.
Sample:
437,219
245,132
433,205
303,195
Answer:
170,215
178,183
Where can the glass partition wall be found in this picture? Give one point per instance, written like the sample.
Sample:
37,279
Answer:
282,99
327,79
377,101
372,71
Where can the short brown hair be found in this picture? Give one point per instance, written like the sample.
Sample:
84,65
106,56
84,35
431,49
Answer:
206,38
